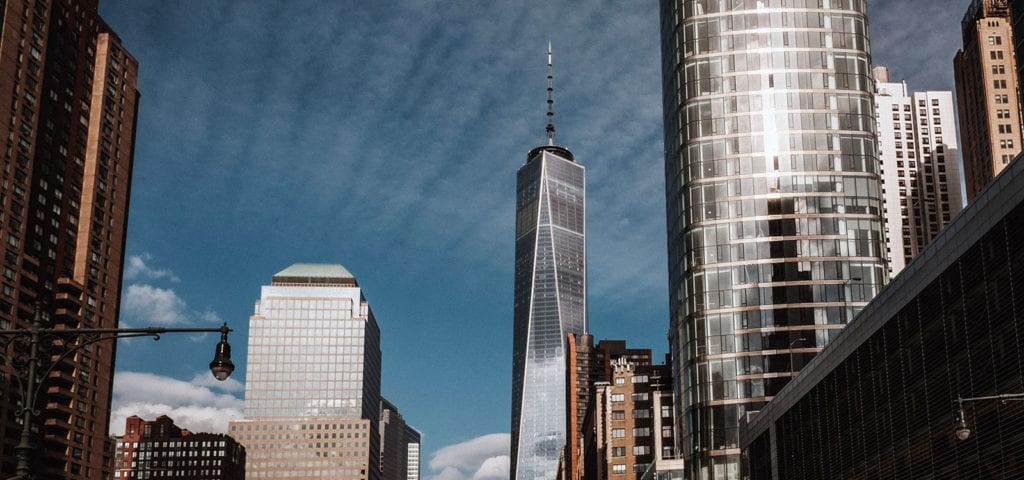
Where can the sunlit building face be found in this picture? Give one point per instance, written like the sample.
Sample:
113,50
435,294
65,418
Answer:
550,302
313,378
774,207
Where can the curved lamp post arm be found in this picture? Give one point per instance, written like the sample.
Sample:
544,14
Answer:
962,430
221,366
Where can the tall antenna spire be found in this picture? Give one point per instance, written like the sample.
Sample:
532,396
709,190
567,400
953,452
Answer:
551,101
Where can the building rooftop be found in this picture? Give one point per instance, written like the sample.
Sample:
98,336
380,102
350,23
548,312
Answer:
315,274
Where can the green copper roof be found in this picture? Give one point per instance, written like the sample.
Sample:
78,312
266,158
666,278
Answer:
314,273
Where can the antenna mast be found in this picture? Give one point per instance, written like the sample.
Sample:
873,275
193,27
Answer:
551,101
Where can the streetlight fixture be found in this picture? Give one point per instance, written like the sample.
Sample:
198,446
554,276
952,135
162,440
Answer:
794,342
30,382
963,431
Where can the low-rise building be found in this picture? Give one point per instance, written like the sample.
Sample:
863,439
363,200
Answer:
882,399
160,449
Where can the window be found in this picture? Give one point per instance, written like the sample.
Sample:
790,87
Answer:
618,469
618,397
639,379
620,381
641,413
618,433
642,450
640,397
618,414
642,432
666,411
666,431
618,451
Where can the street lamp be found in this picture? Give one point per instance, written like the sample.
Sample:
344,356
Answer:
962,430
794,342
30,382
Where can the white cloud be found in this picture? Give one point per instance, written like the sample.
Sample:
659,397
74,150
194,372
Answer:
482,458
205,379
494,467
136,267
210,316
193,405
155,305
149,305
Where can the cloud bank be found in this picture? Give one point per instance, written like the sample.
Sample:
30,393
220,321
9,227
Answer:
482,458
200,405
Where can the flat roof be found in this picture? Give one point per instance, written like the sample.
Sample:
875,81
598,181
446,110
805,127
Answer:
315,273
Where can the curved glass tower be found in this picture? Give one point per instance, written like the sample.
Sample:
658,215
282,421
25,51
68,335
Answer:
774,212
550,301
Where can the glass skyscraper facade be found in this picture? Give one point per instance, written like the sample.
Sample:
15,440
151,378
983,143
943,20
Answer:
774,209
550,303
313,373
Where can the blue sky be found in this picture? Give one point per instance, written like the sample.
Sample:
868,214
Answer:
385,136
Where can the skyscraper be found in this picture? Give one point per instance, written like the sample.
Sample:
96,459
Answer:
920,171
773,202
986,93
70,130
312,386
395,448
412,441
549,300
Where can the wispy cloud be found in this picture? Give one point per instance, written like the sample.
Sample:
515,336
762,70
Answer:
136,267
198,405
146,304
481,458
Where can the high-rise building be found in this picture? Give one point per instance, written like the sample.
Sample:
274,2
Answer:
986,93
590,365
920,168
582,373
71,103
160,449
666,460
412,441
627,422
773,202
882,400
1017,30
312,386
549,301
394,443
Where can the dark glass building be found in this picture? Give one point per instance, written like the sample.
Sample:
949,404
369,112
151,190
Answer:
550,303
881,400
773,202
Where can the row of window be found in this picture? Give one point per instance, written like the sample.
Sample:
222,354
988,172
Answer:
637,432
636,397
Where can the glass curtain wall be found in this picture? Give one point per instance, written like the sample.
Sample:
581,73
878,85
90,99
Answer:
550,302
773,200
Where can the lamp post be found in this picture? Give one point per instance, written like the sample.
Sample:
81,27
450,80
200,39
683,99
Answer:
30,382
794,342
962,430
